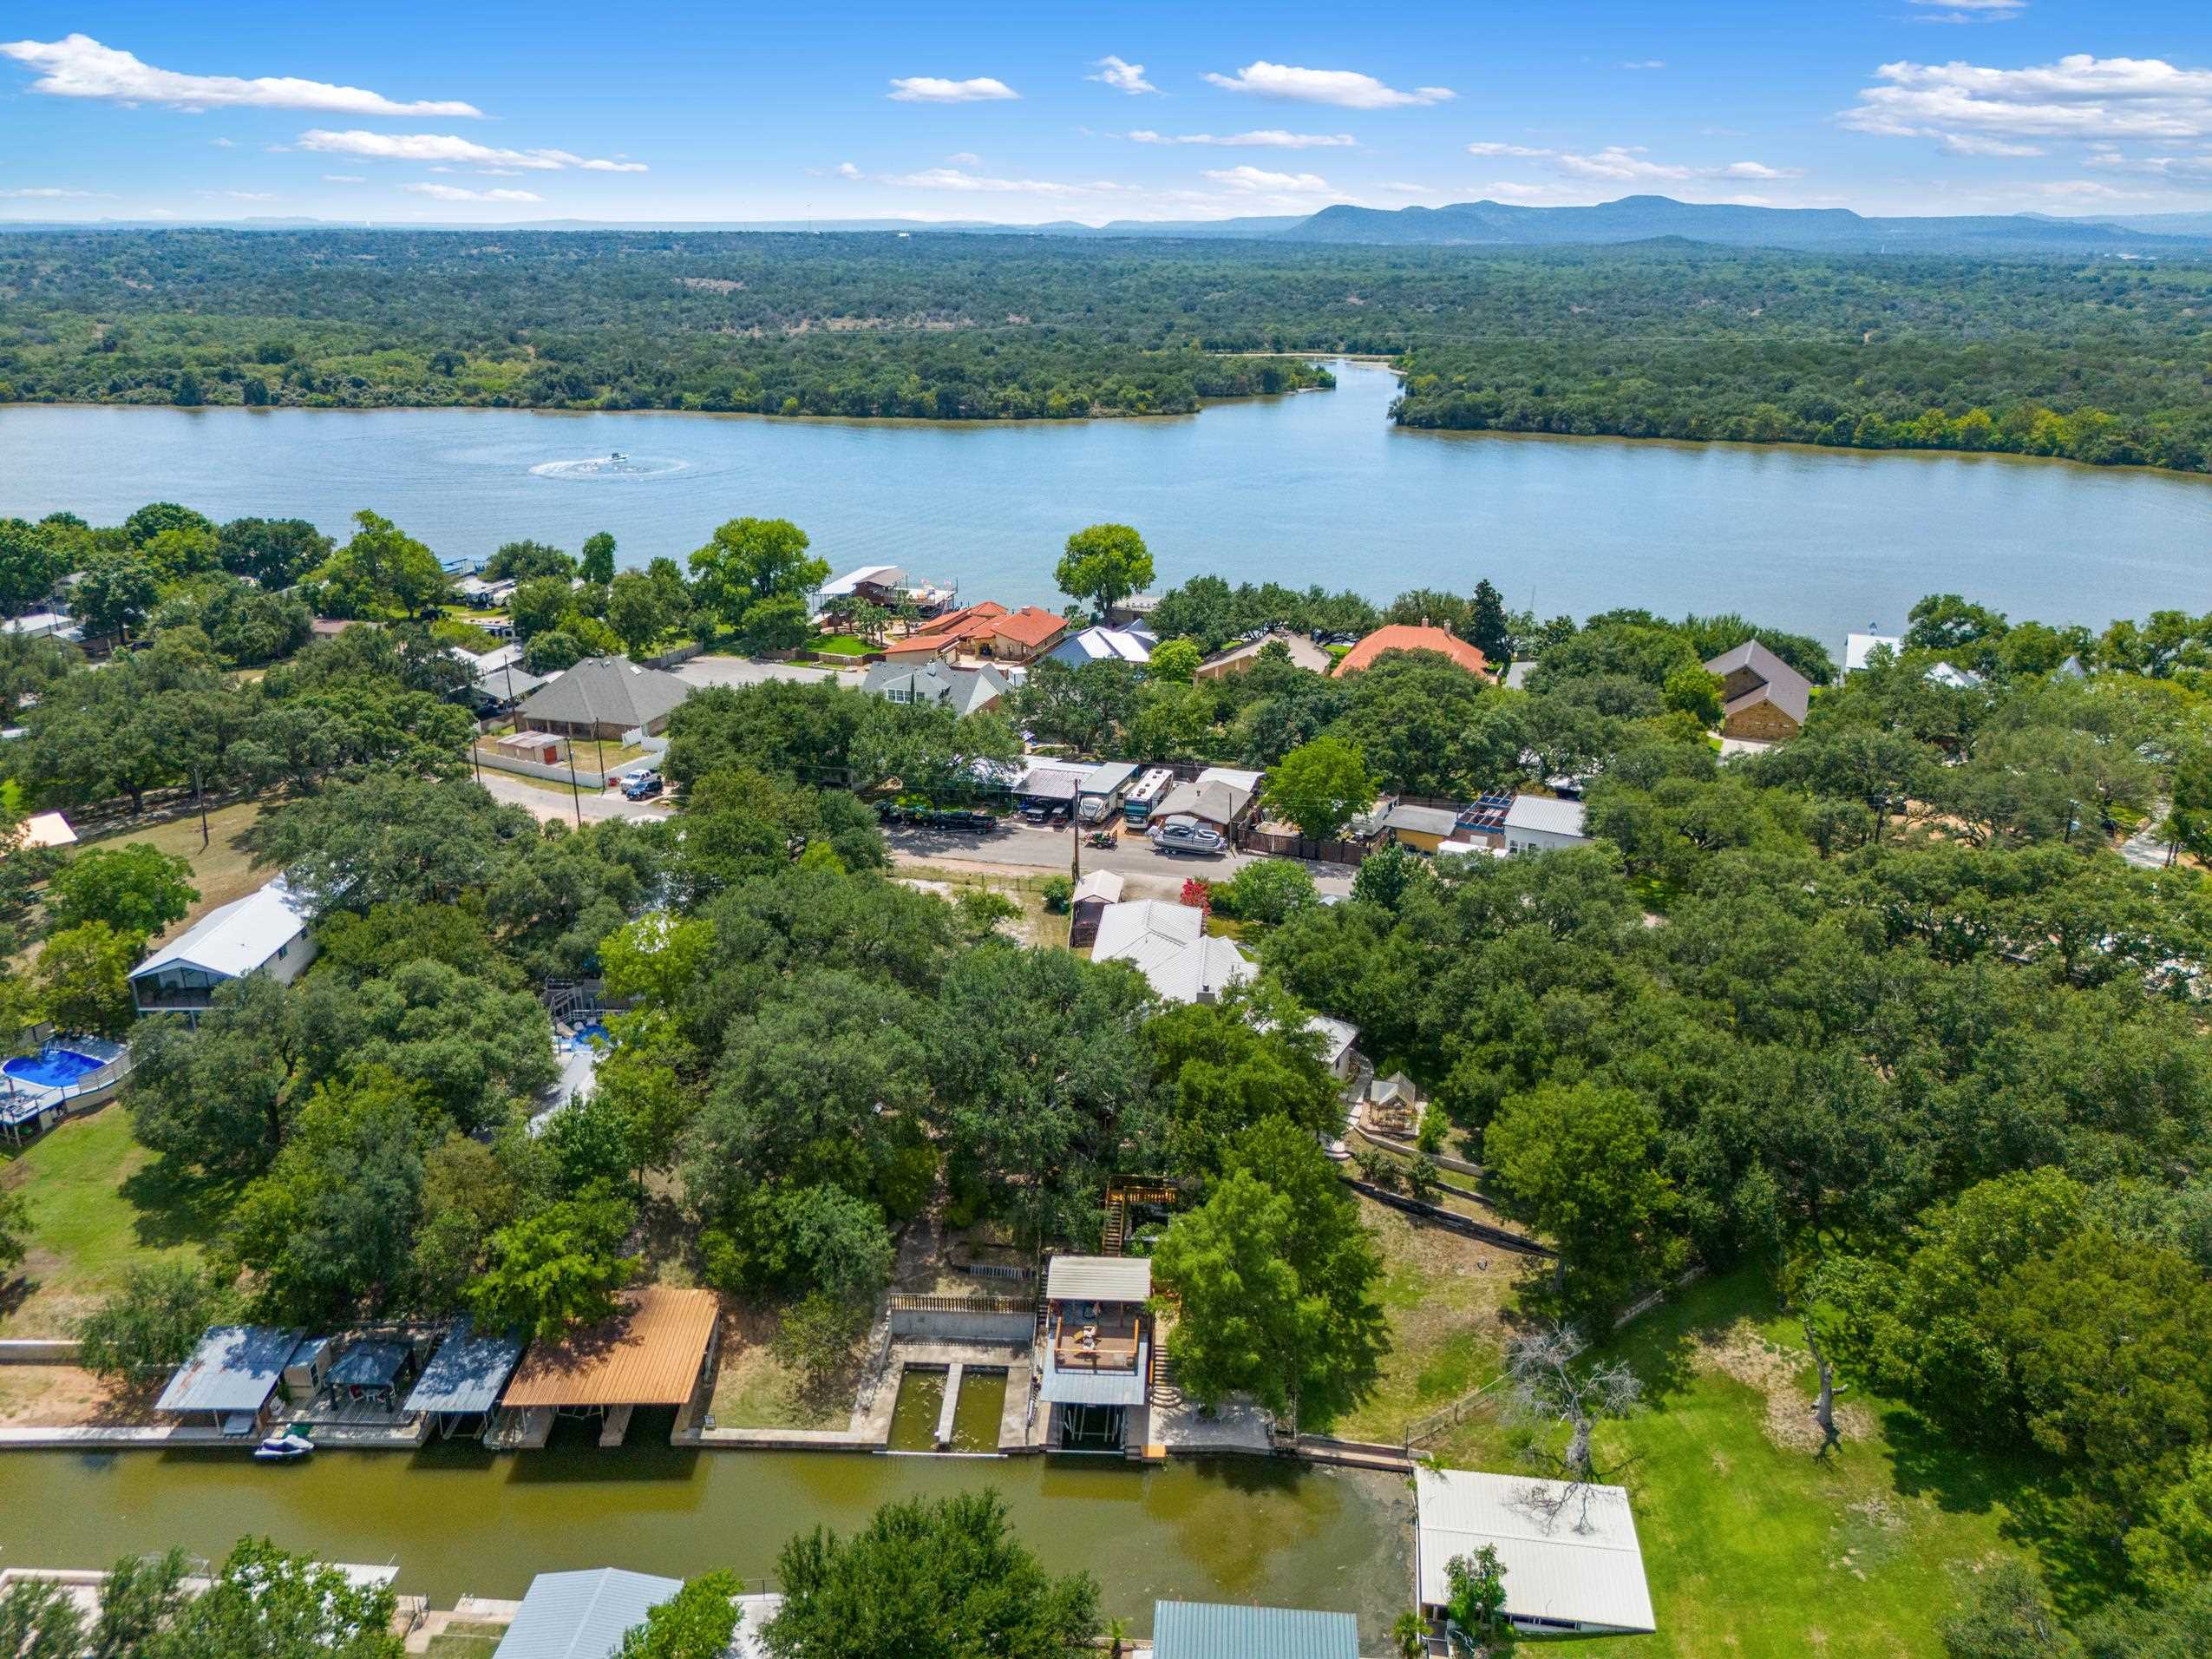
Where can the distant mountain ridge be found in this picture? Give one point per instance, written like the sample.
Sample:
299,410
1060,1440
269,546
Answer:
1466,224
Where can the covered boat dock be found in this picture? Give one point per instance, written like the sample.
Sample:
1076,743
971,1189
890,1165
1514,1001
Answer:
460,1389
654,1351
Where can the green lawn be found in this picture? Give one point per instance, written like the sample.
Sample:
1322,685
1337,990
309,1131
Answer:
1755,1548
841,644
465,1641
99,1205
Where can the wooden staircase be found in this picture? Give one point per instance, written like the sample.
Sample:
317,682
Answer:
1117,1224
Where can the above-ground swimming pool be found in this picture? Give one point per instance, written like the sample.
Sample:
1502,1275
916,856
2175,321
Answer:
56,1068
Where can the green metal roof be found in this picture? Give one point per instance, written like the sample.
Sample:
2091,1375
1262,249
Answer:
1210,1631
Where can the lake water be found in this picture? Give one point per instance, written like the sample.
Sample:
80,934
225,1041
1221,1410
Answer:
1313,487
458,1520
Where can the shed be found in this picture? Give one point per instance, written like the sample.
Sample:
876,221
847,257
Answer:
230,1376
1212,1630
582,1614
1571,1557
1093,894
308,1368
547,748
1424,829
465,1376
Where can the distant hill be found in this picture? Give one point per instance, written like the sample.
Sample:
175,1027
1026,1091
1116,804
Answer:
1635,219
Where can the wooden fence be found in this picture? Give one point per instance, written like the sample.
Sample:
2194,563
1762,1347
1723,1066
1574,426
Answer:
1424,1429
1305,847
962,1305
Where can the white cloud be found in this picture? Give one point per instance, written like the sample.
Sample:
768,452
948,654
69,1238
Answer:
223,143
1968,11
77,66
1630,164
44,193
448,147
1268,138
2162,167
959,179
455,193
1252,178
1974,144
344,177
928,88
1121,76
2089,189
964,159
240,195
1346,88
1650,63
1399,188
2079,98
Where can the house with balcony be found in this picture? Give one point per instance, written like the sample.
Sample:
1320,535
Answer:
1095,1373
265,932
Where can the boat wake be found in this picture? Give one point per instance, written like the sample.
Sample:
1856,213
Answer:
617,465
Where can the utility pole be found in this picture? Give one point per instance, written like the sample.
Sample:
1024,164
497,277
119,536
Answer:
575,794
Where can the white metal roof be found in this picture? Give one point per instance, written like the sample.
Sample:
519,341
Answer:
1105,645
235,1368
1099,1278
1099,884
879,575
1336,1036
1166,944
1580,1564
582,1614
1540,813
1857,647
1235,777
1104,779
236,938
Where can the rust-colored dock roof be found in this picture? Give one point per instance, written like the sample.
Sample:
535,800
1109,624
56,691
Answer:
648,1354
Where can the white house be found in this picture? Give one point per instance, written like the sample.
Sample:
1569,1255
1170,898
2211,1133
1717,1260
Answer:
1857,647
1105,645
1571,1558
1168,944
265,932
1534,823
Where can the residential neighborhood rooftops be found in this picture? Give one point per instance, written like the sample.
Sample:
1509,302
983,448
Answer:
468,1372
1565,1559
1212,1630
1099,1278
1168,944
1032,625
1541,812
1761,677
1231,659
606,692
648,1354
233,940
235,1368
1103,884
965,690
1105,645
1401,636
582,1614
1858,648
1422,819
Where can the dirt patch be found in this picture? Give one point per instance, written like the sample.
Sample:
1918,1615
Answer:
65,1396
1740,1351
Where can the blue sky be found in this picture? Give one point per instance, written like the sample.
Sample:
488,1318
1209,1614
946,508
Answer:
409,112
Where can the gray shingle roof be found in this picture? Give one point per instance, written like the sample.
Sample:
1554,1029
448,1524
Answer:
1210,1631
1783,685
235,1368
468,1372
582,1614
1422,820
965,690
606,691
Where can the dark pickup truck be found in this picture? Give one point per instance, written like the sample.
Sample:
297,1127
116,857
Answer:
924,817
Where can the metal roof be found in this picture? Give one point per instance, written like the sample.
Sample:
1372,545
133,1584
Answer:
1422,819
1167,943
1573,1560
1105,779
468,1372
1857,647
1099,1278
648,1354
582,1614
235,1368
874,576
1210,1631
1078,1387
1549,816
1105,645
239,937
1104,884
369,1365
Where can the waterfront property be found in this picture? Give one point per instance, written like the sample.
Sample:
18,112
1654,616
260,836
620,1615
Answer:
651,1353
1763,699
1859,647
1403,636
1534,823
887,586
1105,645
1216,1630
230,1379
1570,1555
1096,1363
265,932
1168,943
928,680
459,1390
605,698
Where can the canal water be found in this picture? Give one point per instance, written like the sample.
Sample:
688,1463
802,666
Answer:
457,1520
1315,486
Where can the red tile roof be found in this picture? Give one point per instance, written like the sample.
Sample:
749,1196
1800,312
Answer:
1030,625
955,624
1401,636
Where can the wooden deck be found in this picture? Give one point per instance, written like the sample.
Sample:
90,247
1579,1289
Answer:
1109,1343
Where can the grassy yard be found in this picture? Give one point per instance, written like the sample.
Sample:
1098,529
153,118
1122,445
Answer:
1037,926
1753,1545
754,1389
461,1639
1443,1294
222,870
99,1205
841,644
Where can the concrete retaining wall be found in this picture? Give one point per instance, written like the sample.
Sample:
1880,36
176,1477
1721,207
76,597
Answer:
31,1350
946,1326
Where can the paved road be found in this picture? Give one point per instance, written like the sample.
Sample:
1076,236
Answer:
1021,847
596,805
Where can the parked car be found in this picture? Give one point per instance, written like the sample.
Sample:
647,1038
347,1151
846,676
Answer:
1039,812
1183,835
643,786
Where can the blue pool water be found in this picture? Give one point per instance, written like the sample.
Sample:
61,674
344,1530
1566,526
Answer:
53,1069
584,1035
